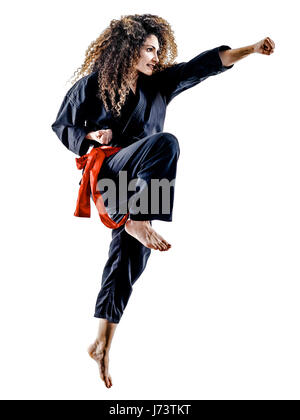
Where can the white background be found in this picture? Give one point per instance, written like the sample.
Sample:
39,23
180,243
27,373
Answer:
216,317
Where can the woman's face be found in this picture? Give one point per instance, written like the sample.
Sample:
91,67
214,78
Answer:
148,55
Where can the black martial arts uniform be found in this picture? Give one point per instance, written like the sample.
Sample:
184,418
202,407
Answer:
147,152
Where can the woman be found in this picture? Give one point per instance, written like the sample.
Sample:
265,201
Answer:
113,118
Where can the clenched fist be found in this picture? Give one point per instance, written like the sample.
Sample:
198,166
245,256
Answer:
101,136
265,46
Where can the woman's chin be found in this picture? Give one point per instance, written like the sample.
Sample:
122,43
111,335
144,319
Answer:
148,72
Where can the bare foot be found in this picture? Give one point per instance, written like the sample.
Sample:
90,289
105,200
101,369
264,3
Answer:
144,232
99,353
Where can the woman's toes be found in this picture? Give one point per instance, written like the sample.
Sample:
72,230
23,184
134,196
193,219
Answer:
108,382
165,245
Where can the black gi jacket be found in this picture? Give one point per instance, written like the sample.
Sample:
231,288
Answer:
82,111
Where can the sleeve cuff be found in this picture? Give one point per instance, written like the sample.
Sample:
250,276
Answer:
84,147
224,48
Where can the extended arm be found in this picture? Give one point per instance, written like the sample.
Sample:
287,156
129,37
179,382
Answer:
265,46
182,76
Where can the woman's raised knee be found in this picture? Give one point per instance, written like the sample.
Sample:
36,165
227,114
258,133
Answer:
171,141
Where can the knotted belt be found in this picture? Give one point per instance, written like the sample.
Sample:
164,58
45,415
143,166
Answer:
92,163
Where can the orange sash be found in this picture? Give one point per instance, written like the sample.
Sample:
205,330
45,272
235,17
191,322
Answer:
92,163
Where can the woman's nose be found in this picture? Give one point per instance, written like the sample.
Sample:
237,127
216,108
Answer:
156,57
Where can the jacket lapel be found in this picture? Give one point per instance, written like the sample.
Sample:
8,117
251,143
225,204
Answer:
139,111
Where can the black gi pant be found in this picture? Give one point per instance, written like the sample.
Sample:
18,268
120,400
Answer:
153,157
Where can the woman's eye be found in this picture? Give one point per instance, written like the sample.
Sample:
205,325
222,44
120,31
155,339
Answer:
149,49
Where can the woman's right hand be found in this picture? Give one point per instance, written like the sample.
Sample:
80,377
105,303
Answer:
101,136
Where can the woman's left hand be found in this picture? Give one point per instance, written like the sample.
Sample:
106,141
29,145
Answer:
265,46
104,136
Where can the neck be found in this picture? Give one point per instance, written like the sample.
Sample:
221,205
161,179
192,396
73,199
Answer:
133,84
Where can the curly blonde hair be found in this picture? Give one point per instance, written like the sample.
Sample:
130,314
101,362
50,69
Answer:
116,52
